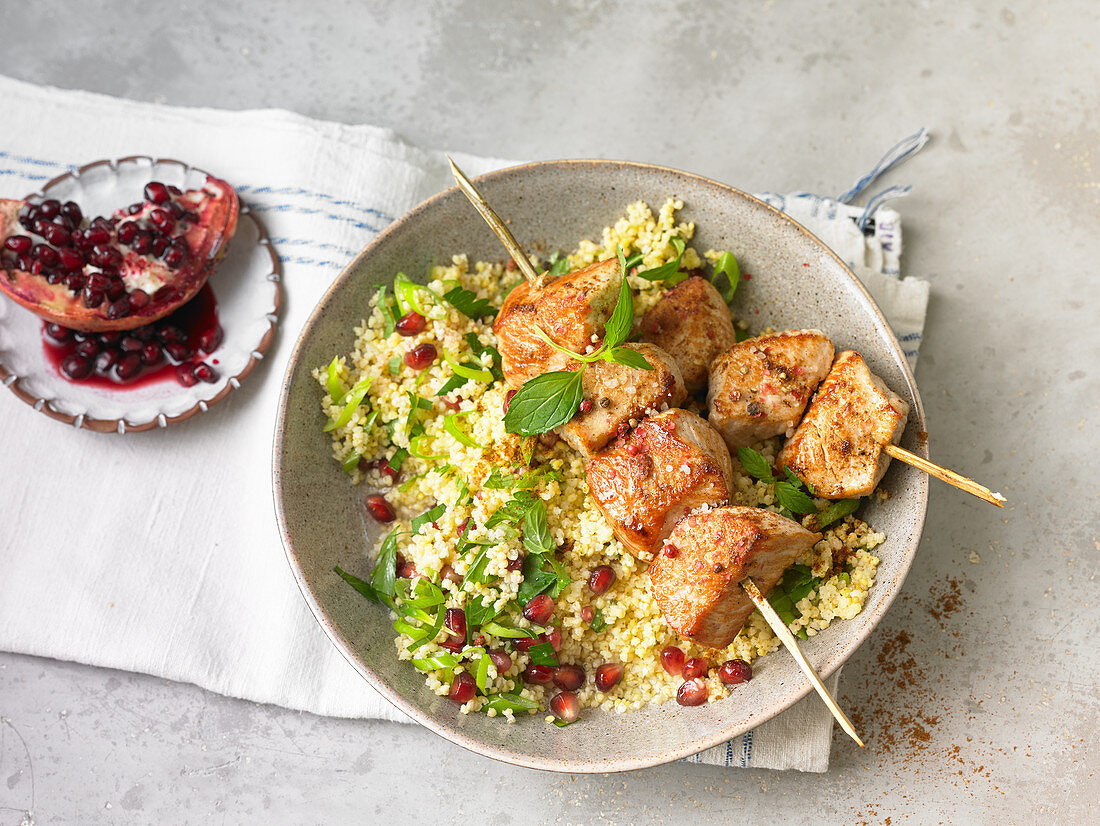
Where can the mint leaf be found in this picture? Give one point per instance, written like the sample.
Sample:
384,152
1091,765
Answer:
755,464
618,327
467,303
427,517
536,580
480,611
537,538
542,654
628,358
794,499
544,402
513,511
385,567
669,272
726,266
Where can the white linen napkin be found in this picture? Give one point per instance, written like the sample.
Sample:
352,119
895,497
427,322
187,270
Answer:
158,552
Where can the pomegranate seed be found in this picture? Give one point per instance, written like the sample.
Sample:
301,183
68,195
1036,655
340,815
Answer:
134,209
463,688
77,367
127,232
106,360
525,643
587,614
185,375
508,399
538,674
672,658
131,344
565,706
58,333
179,352
160,245
75,281
608,676
456,621
39,268
47,255
204,372
175,190
695,667
69,259
692,693
117,289
105,257
163,220
118,309
99,282
602,578
145,333
516,564
142,242
411,324
91,298
176,209
89,348
569,677
553,636
57,235
585,406
211,339
176,256
128,366
379,508
40,225
71,210
453,404
49,209
97,234
732,672
138,299
421,356
451,575
501,659
168,334
110,337
19,244
539,609
156,192
151,354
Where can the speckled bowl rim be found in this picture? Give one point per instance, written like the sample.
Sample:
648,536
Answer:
121,425
674,751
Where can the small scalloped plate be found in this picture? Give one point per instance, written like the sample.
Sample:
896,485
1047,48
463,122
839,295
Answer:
245,284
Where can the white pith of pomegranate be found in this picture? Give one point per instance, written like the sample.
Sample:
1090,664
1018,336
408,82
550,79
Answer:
115,273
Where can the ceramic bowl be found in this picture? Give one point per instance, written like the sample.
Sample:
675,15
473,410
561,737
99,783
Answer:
797,283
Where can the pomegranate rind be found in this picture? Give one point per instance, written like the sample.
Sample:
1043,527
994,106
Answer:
218,209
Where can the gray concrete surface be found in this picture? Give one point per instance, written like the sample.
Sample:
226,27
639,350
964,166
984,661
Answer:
978,694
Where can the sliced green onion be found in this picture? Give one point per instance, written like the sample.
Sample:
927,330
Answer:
467,372
352,462
395,365
436,661
406,292
450,424
332,381
354,398
416,448
506,631
482,676
504,702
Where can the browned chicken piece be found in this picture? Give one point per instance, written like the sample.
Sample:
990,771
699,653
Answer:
668,465
760,387
697,575
572,310
837,449
616,397
692,323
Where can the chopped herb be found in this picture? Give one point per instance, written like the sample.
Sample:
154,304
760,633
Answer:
407,293
417,448
559,264
797,583
726,265
620,324
791,477
598,623
544,402
513,511
537,538
351,463
476,573
528,480
634,260
844,577
629,358
398,459
332,381
428,516
479,611
563,723
536,580
482,676
542,654
478,349
450,424
512,632
395,366
793,499
352,400
436,661
468,370
467,303
668,272
755,464
384,573
362,586
835,511
385,304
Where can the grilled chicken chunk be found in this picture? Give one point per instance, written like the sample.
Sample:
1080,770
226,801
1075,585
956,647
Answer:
669,464
617,397
760,387
572,310
697,576
692,323
837,449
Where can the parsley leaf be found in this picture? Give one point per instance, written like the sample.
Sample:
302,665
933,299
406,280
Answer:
467,303
544,402
479,611
755,464
726,265
794,499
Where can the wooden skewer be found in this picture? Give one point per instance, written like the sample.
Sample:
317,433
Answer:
787,638
945,475
495,223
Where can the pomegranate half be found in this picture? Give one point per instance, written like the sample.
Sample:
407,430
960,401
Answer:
115,273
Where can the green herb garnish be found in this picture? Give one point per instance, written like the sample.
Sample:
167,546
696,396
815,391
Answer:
559,264
669,272
542,654
755,464
467,303
395,366
503,702
537,538
427,517
835,511
351,403
598,623
544,402
726,266
389,317
332,381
